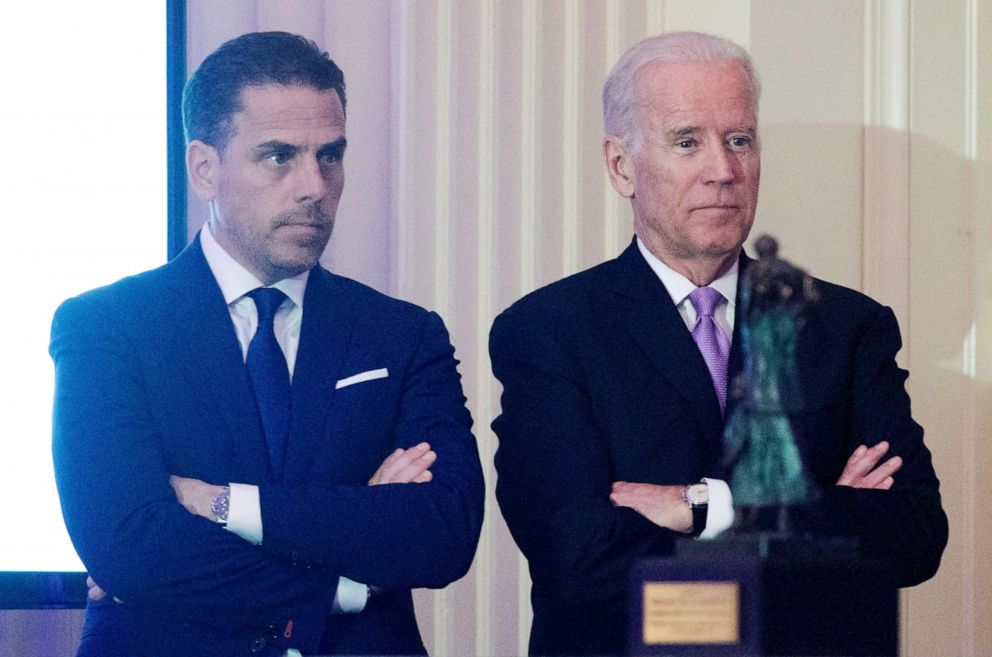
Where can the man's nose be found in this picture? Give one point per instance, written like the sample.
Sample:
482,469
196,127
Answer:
310,181
722,166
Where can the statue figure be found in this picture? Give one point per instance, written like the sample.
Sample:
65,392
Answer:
767,471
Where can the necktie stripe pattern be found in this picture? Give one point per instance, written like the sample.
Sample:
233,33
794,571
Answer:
713,343
270,376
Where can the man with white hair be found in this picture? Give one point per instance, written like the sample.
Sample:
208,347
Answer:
614,379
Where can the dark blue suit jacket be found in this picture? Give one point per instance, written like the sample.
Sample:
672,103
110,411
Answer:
150,382
603,382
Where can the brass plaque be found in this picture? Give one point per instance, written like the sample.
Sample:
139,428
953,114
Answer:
691,613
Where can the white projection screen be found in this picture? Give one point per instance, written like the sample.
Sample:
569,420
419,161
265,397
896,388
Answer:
84,191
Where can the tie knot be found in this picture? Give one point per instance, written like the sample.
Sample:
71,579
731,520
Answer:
267,302
705,300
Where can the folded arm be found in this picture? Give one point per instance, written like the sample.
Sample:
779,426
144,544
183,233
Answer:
556,473
891,503
395,535
135,538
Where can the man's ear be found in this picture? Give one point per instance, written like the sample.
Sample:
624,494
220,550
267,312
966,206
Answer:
619,166
203,169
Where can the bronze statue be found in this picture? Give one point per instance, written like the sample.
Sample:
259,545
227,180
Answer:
766,467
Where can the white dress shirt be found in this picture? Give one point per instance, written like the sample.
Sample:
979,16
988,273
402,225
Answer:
245,511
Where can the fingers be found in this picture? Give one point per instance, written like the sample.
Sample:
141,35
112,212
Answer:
862,460
618,495
864,471
95,592
423,477
182,493
878,477
405,466
377,476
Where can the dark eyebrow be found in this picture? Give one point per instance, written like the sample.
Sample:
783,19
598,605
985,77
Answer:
336,147
276,146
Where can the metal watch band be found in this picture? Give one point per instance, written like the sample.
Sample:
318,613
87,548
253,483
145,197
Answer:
222,505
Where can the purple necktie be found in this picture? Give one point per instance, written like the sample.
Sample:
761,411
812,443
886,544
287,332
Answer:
712,341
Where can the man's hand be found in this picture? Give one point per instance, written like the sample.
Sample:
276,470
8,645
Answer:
861,470
406,466
197,496
662,505
94,592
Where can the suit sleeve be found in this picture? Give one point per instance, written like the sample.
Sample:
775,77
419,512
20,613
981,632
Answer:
399,535
555,472
136,540
906,525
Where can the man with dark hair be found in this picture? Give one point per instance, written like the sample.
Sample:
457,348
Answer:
254,455
615,379
213,95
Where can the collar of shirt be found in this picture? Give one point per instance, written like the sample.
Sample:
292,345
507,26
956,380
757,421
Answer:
235,282
679,288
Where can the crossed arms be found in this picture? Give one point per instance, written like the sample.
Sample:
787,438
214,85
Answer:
664,506
114,455
590,429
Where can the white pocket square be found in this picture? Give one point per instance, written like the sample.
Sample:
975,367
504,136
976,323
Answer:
361,377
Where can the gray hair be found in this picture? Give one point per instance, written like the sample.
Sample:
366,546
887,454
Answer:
619,102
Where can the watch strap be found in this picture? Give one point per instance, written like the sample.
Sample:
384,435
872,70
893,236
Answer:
699,512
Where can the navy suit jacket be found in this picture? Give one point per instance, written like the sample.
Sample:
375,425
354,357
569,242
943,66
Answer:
603,382
150,382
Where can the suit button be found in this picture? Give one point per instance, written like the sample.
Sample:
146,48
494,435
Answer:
258,645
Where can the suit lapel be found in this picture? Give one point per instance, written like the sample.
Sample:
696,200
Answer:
329,314
736,363
211,358
648,314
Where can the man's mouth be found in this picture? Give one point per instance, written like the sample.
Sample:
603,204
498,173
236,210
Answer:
718,206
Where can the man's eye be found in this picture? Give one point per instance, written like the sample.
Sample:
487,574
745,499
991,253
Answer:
330,158
740,142
686,143
278,158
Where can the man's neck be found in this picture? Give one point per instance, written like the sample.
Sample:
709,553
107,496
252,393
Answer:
701,270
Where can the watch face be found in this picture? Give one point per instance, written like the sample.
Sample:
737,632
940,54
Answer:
697,494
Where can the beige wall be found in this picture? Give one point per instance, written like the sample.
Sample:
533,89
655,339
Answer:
474,176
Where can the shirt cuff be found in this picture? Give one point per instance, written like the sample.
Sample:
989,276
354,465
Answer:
244,515
719,510
350,598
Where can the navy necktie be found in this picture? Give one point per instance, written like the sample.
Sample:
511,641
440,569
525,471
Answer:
270,376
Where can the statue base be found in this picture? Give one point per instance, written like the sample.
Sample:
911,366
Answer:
764,594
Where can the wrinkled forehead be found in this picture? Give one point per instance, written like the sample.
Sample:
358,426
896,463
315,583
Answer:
666,88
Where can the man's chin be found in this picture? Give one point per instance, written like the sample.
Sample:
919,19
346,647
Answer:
726,242
294,264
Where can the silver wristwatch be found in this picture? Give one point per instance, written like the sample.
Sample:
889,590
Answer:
222,505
